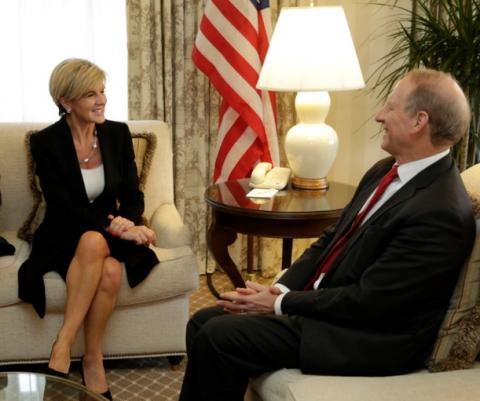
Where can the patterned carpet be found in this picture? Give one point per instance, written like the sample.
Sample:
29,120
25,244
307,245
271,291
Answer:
153,379
149,379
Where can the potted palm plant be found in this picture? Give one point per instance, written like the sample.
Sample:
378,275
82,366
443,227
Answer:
444,35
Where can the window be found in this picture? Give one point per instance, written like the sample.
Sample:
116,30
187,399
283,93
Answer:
35,35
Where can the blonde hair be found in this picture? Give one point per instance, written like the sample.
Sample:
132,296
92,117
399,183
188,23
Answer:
72,78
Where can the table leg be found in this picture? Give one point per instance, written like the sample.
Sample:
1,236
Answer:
287,252
218,240
249,254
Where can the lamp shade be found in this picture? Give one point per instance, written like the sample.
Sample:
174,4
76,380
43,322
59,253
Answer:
311,49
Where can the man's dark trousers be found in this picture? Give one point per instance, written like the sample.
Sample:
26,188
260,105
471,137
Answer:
224,350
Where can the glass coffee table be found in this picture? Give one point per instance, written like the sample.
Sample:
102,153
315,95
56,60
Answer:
24,386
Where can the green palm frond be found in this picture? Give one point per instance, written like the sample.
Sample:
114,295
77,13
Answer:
439,34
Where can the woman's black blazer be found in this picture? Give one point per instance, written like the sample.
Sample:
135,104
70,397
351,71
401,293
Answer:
69,212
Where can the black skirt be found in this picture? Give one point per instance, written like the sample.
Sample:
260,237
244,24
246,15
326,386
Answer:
54,254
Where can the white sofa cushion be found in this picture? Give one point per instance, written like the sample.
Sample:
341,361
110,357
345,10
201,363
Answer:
292,385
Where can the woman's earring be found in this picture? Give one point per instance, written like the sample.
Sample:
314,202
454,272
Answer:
68,111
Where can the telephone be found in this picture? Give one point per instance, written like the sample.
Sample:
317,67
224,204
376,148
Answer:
264,176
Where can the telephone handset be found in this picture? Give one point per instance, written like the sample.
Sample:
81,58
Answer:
264,176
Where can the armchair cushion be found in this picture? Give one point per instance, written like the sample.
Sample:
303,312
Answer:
169,228
158,305
144,144
170,278
458,342
292,385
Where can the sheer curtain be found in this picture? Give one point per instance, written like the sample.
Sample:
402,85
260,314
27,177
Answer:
35,35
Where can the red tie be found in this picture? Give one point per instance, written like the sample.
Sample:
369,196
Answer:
340,244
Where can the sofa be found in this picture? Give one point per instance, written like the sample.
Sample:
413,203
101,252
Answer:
451,374
149,320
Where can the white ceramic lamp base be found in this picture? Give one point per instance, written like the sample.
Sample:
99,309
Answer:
311,145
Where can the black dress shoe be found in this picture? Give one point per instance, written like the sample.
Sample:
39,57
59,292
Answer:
56,373
107,394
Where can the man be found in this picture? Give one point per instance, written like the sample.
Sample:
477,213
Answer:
369,296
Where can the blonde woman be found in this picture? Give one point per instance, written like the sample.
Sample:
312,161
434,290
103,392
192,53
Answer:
93,218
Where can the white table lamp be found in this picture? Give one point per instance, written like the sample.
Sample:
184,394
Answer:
311,52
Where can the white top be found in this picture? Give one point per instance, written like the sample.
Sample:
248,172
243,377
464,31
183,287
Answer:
94,181
405,173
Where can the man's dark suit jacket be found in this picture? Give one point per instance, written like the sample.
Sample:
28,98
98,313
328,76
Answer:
69,212
379,308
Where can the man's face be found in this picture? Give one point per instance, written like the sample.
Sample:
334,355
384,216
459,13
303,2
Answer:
397,124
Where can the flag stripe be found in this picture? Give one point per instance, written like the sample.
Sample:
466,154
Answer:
236,60
242,105
241,22
240,152
262,46
250,13
248,159
226,78
230,46
227,118
232,135
244,45
234,193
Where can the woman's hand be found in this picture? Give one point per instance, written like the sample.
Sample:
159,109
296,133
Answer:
141,235
119,225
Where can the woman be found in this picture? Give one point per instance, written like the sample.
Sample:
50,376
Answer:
93,218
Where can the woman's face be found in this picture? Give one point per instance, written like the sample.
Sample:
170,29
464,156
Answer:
89,108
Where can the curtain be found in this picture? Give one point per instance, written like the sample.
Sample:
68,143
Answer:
38,34
164,84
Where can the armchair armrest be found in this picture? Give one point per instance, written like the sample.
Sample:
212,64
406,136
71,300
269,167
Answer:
8,277
9,266
169,228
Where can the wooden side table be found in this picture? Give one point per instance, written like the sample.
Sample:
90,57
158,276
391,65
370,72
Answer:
292,213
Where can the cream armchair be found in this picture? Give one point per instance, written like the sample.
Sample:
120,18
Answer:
150,319
457,347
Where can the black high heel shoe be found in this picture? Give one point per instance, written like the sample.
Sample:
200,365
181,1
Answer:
56,373
53,372
107,394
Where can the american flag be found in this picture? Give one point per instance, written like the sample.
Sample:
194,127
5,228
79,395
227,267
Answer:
230,48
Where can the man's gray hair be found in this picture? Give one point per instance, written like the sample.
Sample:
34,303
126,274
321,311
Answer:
441,97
